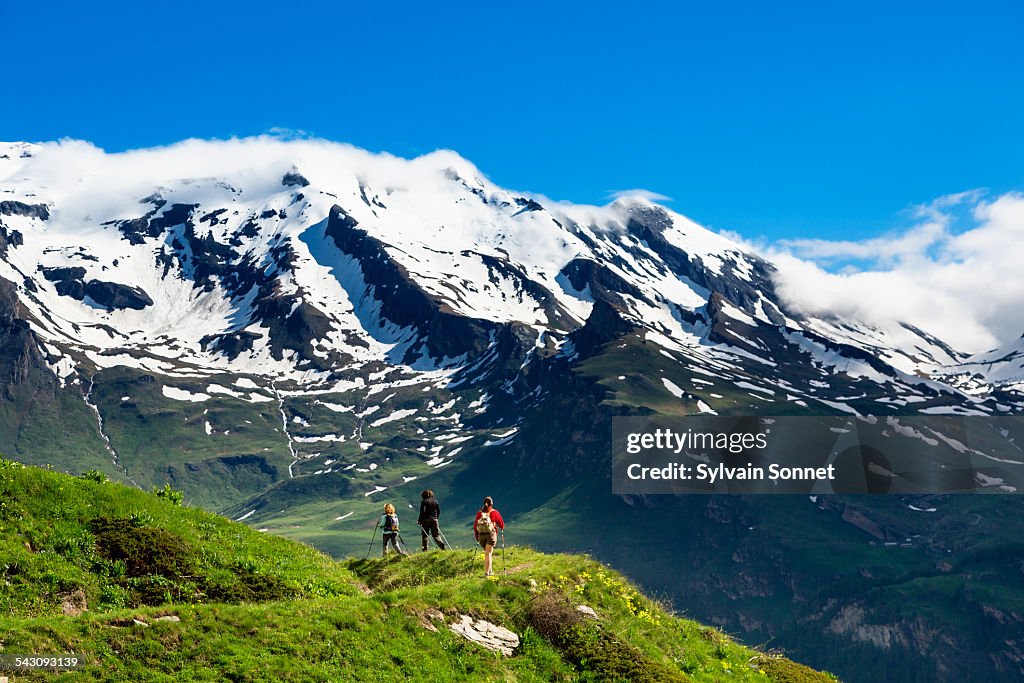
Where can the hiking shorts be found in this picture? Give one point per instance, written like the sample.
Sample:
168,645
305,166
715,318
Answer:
488,539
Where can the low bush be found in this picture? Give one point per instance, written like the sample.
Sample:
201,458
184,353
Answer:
592,648
244,584
143,549
783,670
167,493
95,475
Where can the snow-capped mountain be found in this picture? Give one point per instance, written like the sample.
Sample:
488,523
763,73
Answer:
195,272
282,272
1001,368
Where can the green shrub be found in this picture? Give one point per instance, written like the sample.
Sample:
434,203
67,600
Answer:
144,550
592,648
551,613
72,543
154,589
169,494
142,519
244,584
783,670
95,475
114,597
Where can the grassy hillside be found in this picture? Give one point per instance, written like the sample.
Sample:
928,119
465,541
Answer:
146,590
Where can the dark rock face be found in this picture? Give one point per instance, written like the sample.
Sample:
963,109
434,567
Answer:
64,274
498,268
214,217
178,214
604,283
13,208
250,229
136,230
9,239
649,224
728,330
113,295
202,258
294,179
69,281
604,325
527,205
72,288
20,358
231,344
851,352
210,259
293,327
294,324
444,332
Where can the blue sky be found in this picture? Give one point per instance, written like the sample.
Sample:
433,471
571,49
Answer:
808,120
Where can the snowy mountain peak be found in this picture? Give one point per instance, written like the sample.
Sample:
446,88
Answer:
309,261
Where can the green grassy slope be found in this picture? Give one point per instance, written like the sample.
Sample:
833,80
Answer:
91,567
218,450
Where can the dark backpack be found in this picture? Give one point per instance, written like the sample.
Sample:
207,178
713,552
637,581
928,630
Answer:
391,524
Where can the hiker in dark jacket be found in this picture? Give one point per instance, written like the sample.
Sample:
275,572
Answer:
430,510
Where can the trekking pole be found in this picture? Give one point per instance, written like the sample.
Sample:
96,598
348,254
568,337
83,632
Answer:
440,533
370,547
444,539
504,567
425,535
403,546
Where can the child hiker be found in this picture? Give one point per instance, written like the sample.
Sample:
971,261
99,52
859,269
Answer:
389,527
485,528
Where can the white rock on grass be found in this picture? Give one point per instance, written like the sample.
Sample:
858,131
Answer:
486,634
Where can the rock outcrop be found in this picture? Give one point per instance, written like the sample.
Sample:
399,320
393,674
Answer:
484,633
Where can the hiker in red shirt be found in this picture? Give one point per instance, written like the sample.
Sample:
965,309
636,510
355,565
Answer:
485,528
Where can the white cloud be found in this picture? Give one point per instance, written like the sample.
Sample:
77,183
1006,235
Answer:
889,249
965,284
86,182
638,193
